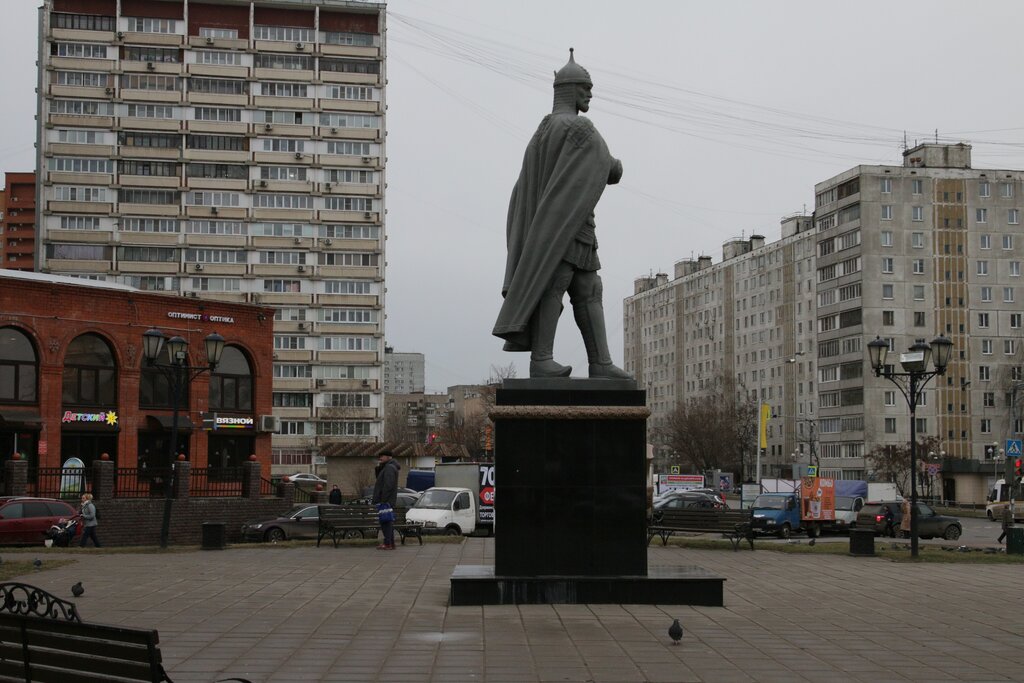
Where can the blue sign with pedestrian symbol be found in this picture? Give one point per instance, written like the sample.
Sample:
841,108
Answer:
1013,447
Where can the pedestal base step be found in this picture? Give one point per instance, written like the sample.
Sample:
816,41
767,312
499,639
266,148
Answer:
477,585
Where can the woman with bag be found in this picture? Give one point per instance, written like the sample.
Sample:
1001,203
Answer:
385,496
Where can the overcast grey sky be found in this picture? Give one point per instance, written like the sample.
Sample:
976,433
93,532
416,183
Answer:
724,114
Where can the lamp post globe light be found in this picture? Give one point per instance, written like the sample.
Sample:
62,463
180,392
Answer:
179,374
911,382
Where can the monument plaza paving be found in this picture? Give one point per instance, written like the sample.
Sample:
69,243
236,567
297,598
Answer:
353,613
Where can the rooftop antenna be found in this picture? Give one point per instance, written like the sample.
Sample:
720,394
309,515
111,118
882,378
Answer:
936,136
904,141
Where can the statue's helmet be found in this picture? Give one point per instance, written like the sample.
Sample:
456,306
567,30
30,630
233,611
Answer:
572,73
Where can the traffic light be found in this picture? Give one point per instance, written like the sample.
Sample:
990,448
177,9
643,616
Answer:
1018,470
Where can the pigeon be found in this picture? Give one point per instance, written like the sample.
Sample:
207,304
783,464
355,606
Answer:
811,542
675,632
37,563
77,590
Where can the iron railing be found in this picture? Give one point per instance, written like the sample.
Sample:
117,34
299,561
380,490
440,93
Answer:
57,482
210,482
267,487
146,482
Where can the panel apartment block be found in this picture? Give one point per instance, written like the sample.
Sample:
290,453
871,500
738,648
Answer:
230,150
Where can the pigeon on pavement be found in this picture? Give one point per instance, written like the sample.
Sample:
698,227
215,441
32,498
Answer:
675,632
37,563
77,590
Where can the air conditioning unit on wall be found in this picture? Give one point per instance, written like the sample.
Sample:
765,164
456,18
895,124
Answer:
270,423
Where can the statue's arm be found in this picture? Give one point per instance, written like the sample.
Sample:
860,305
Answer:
615,174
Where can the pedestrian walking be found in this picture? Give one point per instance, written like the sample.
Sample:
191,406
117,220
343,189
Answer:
890,526
335,496
905,522
89,517
1007,522
385,496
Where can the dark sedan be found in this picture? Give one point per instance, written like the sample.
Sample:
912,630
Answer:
930,524
299,522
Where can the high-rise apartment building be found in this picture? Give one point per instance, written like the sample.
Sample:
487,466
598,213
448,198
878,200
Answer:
17,250
230,150
404,372
902,252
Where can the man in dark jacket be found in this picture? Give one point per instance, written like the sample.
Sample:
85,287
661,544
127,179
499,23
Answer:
385,492
334,498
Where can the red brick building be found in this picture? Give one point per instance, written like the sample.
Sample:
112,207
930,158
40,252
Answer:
74,383
19,222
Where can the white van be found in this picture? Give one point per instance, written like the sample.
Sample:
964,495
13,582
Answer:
444,510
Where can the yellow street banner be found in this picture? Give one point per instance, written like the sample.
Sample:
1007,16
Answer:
766,414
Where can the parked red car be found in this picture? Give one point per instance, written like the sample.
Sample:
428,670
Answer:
26,520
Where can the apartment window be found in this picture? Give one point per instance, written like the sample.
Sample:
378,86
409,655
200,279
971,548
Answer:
81,22
1009,346
982,267
1013,216
158,82
82,79
887,264
81,165
217,86
887,291
224,143
984,190
1007,242
922,425
917,240
1015,321
78,252
886,212
271,60
218,57
212,198
360,39
283,89
348,343
347,287
282,201
986,425
282,229
919,317
290,117
78,193
981,215
1008,295
1006,190
918,292
1014,268
82,107
989,399
282,145
886,186
985,241
348,148
984,373
230,171
215,227
888,318
339,175
215,255
226,114
918,266
890,398
160,140
351,232
79,223
917,213
152,25
151,111
333,428
291,173
890,425
355,316
291,400
148,254
289,343
79,137
285,286
983,319
916,186
79,50
986,294
283,258
349,92
291,34
357,259
886,238
348,203
151,54
137,196
149,225
164,169
209,32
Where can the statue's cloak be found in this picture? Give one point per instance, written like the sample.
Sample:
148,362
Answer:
565,170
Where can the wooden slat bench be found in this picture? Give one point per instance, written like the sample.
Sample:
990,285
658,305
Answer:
733,524
341,521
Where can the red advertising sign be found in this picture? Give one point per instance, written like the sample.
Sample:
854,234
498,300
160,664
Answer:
817,498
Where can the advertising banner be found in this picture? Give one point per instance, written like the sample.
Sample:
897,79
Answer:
817,499
679,482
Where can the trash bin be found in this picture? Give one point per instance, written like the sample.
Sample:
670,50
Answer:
214,535
1015,540
862,542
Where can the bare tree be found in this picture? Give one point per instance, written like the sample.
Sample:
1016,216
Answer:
891,462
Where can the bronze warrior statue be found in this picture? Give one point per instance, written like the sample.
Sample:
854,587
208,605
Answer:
552,246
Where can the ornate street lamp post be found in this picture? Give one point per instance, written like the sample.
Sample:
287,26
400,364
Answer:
911,383
179,374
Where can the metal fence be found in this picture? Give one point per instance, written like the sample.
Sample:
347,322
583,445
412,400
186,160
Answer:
147,482
57,482
210,482
267,487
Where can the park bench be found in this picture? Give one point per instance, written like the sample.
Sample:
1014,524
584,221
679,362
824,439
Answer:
350,521
733,524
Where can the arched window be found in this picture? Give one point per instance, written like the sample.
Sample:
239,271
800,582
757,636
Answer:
19,367
90,374
154,387
231,384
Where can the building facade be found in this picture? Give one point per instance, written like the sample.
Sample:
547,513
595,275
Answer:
77,385
404,373
416,418
230,150
18,230
902,252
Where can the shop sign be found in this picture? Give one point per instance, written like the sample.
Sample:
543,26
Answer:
215,422
109,417
205,317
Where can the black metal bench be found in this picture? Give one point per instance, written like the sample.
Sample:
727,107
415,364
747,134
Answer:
42,638
350,521
733,524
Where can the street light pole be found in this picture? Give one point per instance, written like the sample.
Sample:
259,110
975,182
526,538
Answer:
911,382
179,374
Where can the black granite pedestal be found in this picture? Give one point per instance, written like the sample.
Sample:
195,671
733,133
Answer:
571,483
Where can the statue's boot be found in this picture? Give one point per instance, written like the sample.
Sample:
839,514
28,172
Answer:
542,339
589,316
